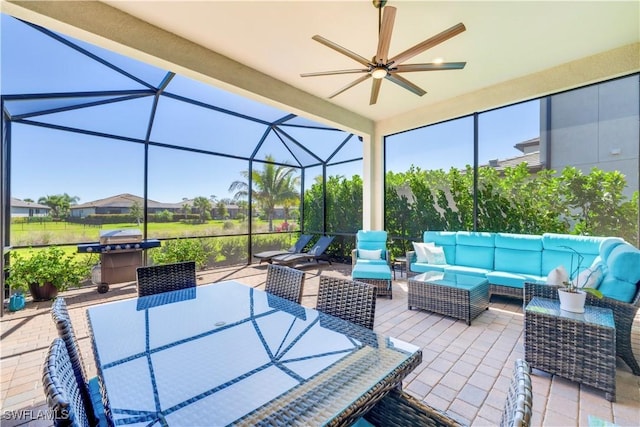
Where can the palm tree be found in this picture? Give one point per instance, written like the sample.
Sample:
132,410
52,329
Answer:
59,204
204,208
272,186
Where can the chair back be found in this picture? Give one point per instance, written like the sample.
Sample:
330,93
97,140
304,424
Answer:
321,245
348,300
371,240
285,282
300,244
518,407
60,315
165,278
62,389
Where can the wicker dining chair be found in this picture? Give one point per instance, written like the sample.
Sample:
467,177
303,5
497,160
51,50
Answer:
62,389
156,279
285,282
347,299
401,409
89,387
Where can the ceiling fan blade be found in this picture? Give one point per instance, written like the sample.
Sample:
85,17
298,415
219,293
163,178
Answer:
342,50
429,43
375,90
350,85
401,81
331,73
408,68
384,38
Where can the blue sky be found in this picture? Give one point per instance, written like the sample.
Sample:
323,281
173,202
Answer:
46,161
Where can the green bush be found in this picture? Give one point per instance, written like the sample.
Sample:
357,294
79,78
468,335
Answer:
181,250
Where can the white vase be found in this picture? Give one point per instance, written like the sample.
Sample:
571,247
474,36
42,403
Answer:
572,301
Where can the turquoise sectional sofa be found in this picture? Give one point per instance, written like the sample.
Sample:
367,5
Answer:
509,260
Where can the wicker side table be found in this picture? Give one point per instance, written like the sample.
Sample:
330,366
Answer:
456,295
579,347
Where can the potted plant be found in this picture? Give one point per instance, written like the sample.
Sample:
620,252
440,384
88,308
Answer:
45,272
572,297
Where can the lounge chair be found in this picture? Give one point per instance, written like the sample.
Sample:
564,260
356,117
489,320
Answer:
316,253
297,248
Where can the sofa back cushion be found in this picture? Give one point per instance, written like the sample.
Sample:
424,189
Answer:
372,240
623,273
518,253
558,249
445,239
474,249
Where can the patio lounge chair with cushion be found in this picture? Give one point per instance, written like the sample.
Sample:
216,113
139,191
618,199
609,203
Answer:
317,253
370,261
166,278
89,388
285,282
348,300
297,248
400,409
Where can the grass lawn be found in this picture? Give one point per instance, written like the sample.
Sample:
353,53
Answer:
49,233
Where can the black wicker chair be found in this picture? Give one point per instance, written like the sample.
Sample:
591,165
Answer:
62,390
285,282
400,409
165,278
347,299
89,387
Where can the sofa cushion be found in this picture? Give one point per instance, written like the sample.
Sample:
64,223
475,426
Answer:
370,253
518,261
469,271
513,280
557,276
558,249
372,239
623,264
445,239
378,261
423,267
371,271
590,277
525,242
421,251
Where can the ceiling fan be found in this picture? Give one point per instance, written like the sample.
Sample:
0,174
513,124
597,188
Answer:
381,66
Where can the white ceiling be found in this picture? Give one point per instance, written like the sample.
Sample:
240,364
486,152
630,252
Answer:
504,40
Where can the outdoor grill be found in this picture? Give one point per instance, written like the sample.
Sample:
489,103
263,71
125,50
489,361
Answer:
120,254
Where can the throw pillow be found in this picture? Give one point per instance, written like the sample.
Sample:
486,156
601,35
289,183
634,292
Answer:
589,278
369,254
435,255
421,252
557,276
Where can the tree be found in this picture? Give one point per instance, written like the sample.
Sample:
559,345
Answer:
203,205
136,211
59,203
221,207
272,185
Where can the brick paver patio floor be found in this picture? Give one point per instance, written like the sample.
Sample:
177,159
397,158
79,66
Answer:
465,369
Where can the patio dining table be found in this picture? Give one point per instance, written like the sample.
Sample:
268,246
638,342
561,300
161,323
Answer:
229,354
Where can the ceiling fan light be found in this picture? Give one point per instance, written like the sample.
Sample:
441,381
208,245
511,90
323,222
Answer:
379,73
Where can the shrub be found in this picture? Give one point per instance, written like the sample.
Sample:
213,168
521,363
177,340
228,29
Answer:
181,250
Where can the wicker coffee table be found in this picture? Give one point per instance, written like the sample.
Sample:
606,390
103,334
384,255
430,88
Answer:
579,347
456,295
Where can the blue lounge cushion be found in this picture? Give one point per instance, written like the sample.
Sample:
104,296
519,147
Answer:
623,273
475,256
469,271
525,242
371,271
518,261
423,267
513,280
363,261
372,239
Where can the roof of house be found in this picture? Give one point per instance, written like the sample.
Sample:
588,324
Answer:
125,200
528,143
17,203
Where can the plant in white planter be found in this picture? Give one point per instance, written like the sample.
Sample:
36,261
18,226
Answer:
572,293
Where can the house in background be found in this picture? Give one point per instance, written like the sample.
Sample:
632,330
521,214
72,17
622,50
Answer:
121,204
21,209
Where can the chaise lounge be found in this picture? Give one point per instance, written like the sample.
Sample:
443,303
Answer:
297,248
316,253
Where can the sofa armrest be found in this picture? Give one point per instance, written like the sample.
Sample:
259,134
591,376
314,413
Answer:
354,257
410,257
